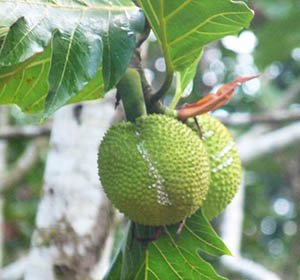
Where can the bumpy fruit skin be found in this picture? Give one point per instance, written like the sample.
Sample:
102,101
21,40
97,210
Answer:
225,164
155,171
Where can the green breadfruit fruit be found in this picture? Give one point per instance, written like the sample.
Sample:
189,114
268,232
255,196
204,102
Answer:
225,164
155,171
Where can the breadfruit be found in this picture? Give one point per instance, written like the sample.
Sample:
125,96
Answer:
225,164
156,170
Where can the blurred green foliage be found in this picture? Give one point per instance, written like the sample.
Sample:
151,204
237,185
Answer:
20,205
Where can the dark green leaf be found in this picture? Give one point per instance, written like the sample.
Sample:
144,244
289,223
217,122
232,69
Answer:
199,231
84,39
65,78
183,28
26,86
171,256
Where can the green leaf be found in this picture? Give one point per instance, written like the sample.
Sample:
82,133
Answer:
184,83
116,266
183,28
26,86
68,44
129,260
172,256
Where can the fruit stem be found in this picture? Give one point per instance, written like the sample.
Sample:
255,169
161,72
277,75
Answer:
130,91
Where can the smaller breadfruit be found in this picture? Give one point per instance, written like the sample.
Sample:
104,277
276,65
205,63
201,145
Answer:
225,164
156,170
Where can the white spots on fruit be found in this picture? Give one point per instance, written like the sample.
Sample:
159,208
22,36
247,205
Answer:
158,185
222,165
224,151
207,134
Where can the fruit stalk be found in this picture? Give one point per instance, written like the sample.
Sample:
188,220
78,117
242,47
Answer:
130,91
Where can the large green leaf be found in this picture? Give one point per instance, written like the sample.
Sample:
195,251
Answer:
56,52
183,28
171,256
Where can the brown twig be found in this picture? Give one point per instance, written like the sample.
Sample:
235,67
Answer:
25,163
29,131
274,117
289,95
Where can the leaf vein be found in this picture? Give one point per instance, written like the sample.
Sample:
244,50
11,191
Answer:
153,12
153,273
64,66
178,9
178,39
201,239
3,89
180,249
166,260
35,82
24,36
188,54
214,33
19,86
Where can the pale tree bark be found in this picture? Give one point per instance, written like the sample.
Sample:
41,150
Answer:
74,215
231,232
14,270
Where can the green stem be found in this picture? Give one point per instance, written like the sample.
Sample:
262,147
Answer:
130,91
177,95
159,108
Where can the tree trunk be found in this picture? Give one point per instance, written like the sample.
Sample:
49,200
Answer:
74,215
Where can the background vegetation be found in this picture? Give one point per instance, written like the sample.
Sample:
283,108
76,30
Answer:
271,47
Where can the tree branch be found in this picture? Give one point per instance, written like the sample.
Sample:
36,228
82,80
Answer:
23,164
231,226
251,147
248,268
29,131
275,117
231,232
258,145
74,215
289,95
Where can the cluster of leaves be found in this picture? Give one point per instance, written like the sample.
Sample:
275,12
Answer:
173,255
54,53
48,61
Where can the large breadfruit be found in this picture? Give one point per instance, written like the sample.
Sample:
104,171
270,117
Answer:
225,164
156,170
